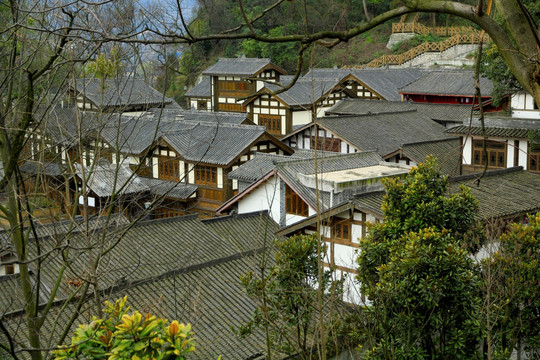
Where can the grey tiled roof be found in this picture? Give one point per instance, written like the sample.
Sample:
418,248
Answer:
106,179
440,112
59,232
385,132
262,163
63,124
448,82
447,151
35,167
371,201
241,66
318,82
170,189
183,269
201,89
305,91
133,135
120,92
491,131
503,193
219,117
497,127
385,82
213,144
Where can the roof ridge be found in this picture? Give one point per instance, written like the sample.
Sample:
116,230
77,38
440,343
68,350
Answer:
335,157
234,216
368,113
212,124
243,58
167,220
486,174
430,141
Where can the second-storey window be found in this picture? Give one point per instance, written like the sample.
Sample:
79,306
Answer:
496,153
272,123
326,144
205,175
168,168
294,203
342,230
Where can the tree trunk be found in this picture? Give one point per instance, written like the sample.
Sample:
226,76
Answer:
19,242
366,12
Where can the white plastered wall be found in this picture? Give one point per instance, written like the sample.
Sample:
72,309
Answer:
265,197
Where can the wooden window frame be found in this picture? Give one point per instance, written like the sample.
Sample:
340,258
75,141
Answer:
168,168
231,107
206,175
326,144
294,204
496,153
533,161
272,123
342,230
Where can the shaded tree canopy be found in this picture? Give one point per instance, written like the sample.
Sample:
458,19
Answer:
415,269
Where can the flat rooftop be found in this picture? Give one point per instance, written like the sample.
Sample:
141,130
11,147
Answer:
364,177
365,173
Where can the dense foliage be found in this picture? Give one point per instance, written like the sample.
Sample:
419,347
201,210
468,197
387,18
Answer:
121,335
287,295
416,271
515,289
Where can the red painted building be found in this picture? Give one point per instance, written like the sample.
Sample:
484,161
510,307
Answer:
450,87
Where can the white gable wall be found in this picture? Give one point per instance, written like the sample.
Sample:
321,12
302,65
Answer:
265,197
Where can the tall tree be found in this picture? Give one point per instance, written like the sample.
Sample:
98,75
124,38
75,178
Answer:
415,269
286,294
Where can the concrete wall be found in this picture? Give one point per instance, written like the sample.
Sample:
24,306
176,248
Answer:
454,56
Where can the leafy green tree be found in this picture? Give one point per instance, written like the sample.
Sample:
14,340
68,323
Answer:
517,289
287,296
120,335
417,202
415,269
106,66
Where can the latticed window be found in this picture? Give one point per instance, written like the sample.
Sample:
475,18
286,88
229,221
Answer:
272,123
495,151
342,230
231,107
233,85
326,144
168,168
294,203
205,175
